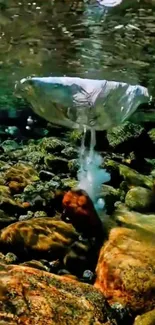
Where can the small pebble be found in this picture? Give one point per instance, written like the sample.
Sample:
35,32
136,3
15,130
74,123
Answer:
10,258
88,275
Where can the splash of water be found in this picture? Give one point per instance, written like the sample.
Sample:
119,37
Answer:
90,174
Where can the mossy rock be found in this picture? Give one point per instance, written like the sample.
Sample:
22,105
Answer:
35,157
110,195
151,135
140,199
144,222
69,152
39,194
122,136
131,176
19,176
52,145
75,137
56,164
10,145
73,166
68,183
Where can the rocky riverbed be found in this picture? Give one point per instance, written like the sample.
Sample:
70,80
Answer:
77,268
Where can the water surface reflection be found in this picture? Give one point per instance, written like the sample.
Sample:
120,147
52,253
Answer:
77,39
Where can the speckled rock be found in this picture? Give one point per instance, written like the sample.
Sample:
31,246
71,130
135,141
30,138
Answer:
68,183
20,175
51,145
10,258
140,199
69,152
30,296
40,237
40,194
146,319
126,269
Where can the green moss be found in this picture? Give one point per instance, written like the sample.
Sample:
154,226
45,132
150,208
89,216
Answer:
124,133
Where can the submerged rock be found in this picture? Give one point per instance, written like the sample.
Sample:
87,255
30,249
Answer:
75,136
131,176
110,196
38,237
7,201
80,211
140,199
37,265
151,135
125,136
133,219
81,255
6,219
73,166
10,145
19,176
146,319
56,164
31,296
69,152
126,269
52,145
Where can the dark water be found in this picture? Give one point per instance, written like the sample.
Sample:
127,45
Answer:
77,39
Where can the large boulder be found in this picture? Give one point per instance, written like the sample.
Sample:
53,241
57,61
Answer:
126,268
30,296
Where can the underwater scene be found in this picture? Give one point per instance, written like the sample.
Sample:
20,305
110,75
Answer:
77,162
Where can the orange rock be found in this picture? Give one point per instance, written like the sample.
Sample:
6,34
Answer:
80,211
26,205
15,186
30,296
126,269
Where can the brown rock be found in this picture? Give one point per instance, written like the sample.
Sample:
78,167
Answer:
126,268
30,296
146,319
20,175
6,199
41,236
37,265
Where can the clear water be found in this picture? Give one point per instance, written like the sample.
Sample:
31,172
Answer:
77,38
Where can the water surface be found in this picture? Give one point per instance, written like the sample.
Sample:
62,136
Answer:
78,39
